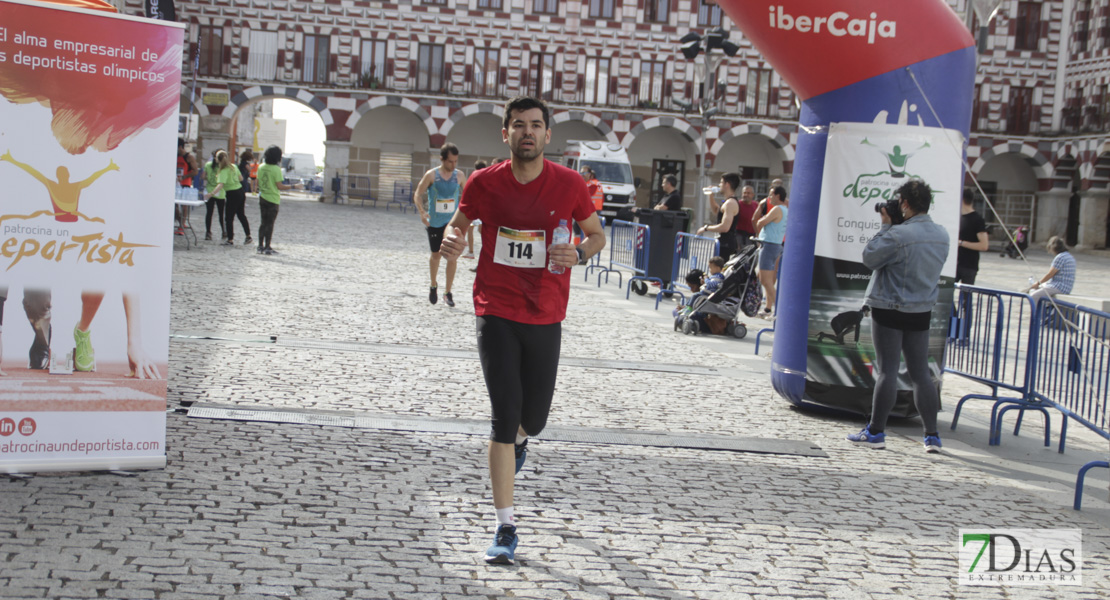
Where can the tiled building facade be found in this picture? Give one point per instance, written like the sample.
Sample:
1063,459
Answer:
392,80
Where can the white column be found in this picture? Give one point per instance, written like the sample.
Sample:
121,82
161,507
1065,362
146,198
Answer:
215,134
1093,207
1051,216
337,157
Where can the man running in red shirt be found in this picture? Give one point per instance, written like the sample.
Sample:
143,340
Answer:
519,303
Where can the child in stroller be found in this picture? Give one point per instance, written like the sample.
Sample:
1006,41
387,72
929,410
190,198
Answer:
717,311
1018,241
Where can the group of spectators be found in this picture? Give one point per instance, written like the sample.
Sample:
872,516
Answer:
225,186
742,221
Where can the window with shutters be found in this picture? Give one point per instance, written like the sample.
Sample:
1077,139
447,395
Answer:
316,54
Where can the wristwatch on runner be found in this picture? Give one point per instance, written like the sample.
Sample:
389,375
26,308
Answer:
581,255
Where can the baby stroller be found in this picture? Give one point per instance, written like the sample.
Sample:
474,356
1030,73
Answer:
740,292
1020,240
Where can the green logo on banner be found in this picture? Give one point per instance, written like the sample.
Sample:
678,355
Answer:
881,186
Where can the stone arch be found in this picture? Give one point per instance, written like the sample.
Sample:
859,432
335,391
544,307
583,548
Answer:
262,92
467,111
684,128
1042,168
380,101
191,103
588,118
773,135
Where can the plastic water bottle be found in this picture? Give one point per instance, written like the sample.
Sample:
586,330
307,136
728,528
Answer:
561,235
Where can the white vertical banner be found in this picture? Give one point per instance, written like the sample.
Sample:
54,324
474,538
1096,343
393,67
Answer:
88,134
865,164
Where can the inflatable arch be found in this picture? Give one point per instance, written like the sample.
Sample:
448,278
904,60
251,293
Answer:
905,70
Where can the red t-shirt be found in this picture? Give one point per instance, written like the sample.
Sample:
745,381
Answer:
525,295
747,211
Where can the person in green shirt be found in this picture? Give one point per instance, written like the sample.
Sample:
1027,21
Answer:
229,185
270,187
213,203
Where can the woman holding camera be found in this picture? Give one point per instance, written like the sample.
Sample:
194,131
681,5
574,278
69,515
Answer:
906,260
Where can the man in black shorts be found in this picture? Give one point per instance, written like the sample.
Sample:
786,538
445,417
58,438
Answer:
441,187
521,290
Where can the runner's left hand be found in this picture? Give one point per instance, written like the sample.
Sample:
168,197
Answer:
563,255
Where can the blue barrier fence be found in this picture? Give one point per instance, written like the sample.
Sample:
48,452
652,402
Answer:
595,260
358,186
690,252
629,249
1053,355
992,341
402,196
1073,370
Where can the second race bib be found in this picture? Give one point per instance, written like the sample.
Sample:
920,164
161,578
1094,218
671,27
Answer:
445,206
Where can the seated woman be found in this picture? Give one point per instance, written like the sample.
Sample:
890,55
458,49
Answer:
1060,277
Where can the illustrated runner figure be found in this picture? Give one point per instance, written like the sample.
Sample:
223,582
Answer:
519,303
64,194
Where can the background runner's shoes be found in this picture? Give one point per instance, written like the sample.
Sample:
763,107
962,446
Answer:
84,359
503,550
448,300
521,454
432,296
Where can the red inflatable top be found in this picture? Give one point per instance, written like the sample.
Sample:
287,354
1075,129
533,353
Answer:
822,45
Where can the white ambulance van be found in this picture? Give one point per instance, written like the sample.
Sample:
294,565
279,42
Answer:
610,163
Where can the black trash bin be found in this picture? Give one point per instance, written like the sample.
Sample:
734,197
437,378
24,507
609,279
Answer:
665,225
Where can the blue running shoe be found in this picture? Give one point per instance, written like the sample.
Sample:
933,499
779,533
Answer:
932,444
504,546
521,454
876,441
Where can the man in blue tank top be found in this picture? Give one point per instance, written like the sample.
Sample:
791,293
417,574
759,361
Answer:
443,186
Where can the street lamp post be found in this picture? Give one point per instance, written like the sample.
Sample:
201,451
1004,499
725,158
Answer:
691,46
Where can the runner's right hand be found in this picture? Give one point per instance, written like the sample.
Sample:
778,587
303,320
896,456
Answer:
453,243
424,219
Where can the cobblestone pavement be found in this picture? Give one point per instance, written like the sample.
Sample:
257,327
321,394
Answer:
339,323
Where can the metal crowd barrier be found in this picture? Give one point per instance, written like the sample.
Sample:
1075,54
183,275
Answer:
1073,370
402,196
595,260
690,252
1054,354
358,186
991,340
630,243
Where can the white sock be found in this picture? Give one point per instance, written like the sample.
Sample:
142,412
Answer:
505,516
520,439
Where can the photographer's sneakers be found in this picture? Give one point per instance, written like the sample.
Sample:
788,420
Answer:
932,444
876,441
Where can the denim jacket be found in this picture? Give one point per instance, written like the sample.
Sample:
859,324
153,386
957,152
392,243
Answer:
906,260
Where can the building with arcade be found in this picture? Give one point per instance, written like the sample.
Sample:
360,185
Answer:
392,80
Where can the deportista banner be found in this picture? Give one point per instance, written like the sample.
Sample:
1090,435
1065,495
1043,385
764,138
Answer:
88,158
865,164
